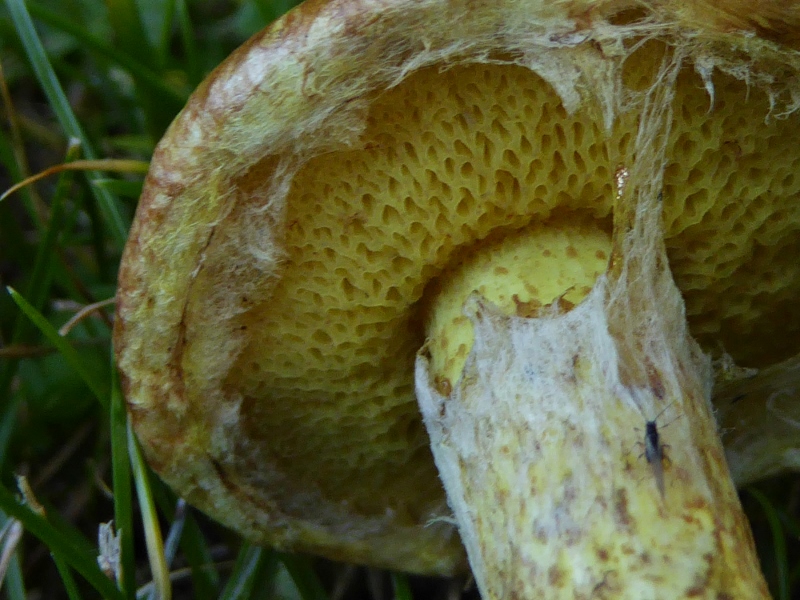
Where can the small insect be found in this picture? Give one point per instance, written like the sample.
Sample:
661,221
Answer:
654,453
654,449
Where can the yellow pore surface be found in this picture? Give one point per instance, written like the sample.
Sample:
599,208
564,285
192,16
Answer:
452,160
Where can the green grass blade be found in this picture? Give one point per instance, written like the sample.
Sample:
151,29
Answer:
42,276
67,578
126,21
8,418
792,527
99,47
71,532
99,389
118,187
58,102
263,580
272,9
121,481
304,577
205,577
175,532
248,563
778,542
173,537
61,544
99,247
38,289
166,13
128,28
188,38
152,529
13,583
402,591
10,160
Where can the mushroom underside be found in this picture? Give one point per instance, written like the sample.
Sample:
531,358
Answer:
272,306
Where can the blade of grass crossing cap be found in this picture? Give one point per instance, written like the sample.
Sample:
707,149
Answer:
173,539
205,578
121,478
152,529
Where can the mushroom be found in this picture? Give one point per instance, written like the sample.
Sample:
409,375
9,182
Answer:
507,220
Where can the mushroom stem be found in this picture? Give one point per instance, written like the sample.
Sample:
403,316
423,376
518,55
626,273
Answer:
578,448
543,452
580,455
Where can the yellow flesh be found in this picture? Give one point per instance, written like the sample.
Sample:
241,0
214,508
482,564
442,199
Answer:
476,152
559,260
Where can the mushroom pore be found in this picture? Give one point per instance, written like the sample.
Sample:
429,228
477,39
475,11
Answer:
519,203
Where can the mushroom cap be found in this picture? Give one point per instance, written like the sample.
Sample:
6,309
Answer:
331,172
